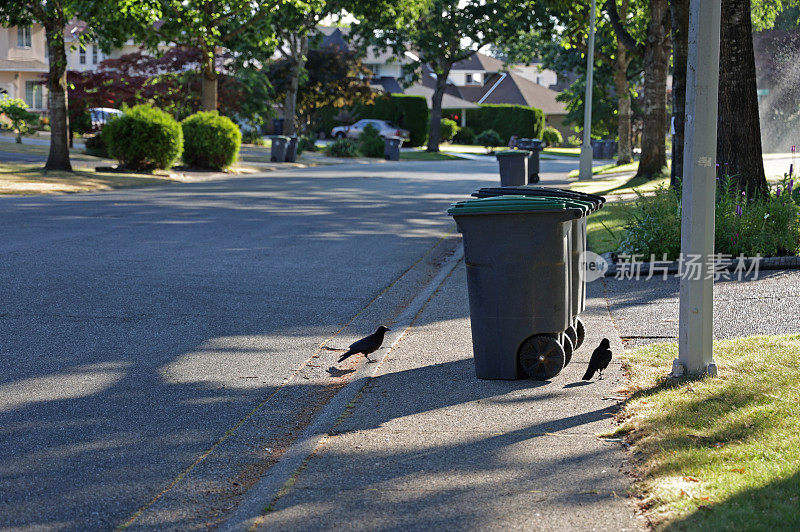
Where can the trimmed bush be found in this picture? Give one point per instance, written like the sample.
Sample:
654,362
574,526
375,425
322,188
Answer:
465,135
370,142
448,129
552,137
95,146
253,136
144,138
508,120
489,138
342,148
210,140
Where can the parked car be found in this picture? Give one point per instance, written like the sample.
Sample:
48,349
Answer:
101,116
385,129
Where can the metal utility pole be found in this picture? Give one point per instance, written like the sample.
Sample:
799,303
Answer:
695,350
585,171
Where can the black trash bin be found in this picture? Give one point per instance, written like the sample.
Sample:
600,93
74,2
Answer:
597,149
291,150
517,252
577,331
534,146
609,149
513,167
277,126
279,147
391,148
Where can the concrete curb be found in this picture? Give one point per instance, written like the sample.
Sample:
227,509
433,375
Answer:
268,488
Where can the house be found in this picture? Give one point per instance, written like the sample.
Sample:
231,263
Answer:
23,61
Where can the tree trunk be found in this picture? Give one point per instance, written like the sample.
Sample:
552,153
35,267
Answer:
209,90
436,111
679,14
58,158
654,107
621,62
298,59
738,128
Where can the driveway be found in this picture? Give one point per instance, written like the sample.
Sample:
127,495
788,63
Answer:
162,346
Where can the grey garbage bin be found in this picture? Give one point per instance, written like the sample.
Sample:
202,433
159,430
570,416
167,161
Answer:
291,150
517,253
279,145
577,331
513,167
391,148
597,149
609,149
534,146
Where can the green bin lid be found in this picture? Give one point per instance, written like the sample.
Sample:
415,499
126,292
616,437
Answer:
513,204
511,152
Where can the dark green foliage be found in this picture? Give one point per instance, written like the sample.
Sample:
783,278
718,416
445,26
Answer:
253,136
81,123
768,225
306,143
210,140
405,111
552,137
448,130
325,120
144,138
96,147
342,148
489,138
465,135
507,120
370,142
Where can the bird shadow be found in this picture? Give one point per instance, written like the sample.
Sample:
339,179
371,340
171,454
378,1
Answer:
336,372
576,384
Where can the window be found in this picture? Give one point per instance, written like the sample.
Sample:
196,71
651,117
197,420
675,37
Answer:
24,36
94,54
82,55
33,94
469,79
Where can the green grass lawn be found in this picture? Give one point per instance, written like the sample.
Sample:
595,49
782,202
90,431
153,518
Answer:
563,152
422,155
618,184
718,453
604,227
31,178
463,148
611,168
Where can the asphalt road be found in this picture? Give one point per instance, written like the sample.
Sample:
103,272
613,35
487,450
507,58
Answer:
140,329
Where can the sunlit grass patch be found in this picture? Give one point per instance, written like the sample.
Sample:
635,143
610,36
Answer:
718,453
604,228
619,184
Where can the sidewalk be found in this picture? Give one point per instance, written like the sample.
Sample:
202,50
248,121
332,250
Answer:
426,445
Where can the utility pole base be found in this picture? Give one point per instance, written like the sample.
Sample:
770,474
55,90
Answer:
585,171
679,370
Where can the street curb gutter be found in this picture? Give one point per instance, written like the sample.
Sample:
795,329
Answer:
268,488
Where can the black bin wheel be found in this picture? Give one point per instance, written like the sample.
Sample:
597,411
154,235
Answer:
569,348
580,329
572,334
541,357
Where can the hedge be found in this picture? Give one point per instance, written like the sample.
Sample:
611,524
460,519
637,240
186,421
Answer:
403,110
506,119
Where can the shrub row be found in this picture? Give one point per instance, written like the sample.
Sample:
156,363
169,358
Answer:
146,137
407,111
768,225
506,120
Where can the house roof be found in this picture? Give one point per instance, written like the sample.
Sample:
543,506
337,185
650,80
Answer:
479,62
23,65
515,89
448,100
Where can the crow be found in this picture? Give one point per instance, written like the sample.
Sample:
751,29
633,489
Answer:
600,359
367,345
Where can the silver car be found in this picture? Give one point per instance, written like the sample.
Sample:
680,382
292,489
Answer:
385,129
